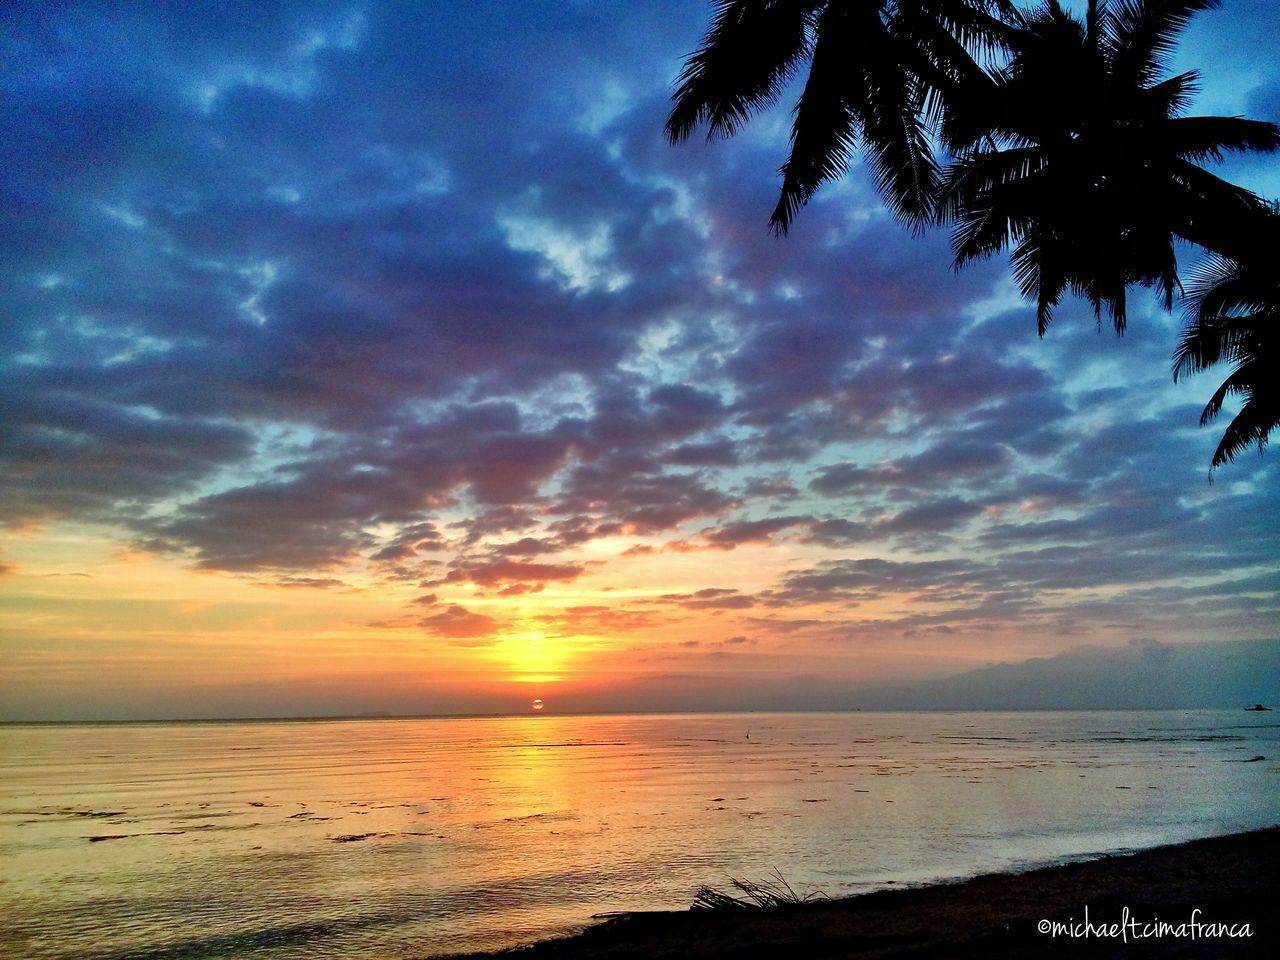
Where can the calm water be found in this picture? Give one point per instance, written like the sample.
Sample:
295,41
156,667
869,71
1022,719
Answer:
406,838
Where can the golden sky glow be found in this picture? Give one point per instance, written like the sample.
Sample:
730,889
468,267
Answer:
110,631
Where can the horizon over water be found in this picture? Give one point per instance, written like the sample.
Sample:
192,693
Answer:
385,838
379,715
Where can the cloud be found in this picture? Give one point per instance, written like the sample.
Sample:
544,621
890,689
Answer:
749,531
640,502
411,541
499,572
68,454
715,453
527,547
1144,675
459,623
876,574
711,598
305,583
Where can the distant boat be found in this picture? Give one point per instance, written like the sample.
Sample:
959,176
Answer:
1258,706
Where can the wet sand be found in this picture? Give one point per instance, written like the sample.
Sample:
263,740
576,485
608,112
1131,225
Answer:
1230,880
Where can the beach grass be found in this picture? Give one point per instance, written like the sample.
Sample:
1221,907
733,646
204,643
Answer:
774,892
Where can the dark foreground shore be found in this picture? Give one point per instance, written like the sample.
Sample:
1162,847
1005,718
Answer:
1228,880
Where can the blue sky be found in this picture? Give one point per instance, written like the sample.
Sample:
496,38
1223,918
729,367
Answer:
413,304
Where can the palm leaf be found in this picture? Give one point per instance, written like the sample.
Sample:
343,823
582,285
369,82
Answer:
752,49
1143,34
1258,416
824,130
1207,138
1233,316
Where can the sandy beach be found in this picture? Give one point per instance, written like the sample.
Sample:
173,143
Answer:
1229,881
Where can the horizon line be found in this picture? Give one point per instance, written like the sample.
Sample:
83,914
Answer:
378,716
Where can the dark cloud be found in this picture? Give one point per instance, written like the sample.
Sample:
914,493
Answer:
642,502
306,583
749,531
838,532
711,598
497,520
875,574
527,547
931,516
411,541
67,454
841,478
309,523
717,453
495,573
946,463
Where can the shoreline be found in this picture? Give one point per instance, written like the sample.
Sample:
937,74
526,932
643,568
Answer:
1230,880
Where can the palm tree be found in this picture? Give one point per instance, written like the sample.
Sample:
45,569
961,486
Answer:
1080,160
883,71
1233,316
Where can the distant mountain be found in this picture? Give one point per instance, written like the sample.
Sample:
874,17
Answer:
1145,675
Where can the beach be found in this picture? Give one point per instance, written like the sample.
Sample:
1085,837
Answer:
1225,883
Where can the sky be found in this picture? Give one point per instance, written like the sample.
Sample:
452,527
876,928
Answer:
369,357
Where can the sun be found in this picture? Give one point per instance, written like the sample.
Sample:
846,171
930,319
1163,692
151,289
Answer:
537,705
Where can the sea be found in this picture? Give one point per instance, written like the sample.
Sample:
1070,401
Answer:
385,839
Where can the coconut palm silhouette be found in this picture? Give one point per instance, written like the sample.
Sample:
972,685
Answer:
1233,316
1080,160
881,72
1059,139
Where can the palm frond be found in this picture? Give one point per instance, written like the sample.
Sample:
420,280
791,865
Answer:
1232,310
1095,21
1233,339
751,50
824,130
883,72
1207,138
1220,286
1258,415
1143,34
1172,96
977,175
1251,426
1214,213
890,105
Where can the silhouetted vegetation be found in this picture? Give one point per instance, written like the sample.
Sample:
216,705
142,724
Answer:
1233,310
766,893
1058,139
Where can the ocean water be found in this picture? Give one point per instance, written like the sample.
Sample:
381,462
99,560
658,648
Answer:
409,838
